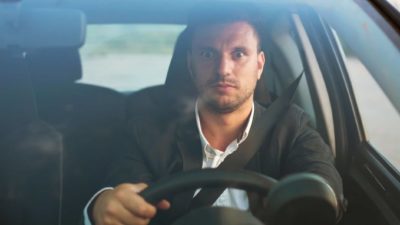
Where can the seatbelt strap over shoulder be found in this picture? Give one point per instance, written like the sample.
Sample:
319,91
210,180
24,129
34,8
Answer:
240,158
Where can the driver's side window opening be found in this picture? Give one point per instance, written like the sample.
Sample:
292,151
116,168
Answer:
374,79
380,118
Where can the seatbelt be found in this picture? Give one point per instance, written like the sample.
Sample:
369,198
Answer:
247,149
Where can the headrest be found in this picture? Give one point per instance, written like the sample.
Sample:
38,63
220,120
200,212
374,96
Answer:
178,74
54,66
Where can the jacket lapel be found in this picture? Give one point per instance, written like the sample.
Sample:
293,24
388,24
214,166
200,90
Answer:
189,147
188,139
188,142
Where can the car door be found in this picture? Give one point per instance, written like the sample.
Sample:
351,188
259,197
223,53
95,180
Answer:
356,47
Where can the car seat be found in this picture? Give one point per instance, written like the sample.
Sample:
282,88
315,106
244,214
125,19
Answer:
89,117
30,151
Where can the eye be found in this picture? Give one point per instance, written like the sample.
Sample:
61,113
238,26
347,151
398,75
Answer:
207,54
238,54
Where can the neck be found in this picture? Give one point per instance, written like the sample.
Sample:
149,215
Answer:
220,129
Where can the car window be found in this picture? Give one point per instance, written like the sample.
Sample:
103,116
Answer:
128,57
380,118
374,79
395,3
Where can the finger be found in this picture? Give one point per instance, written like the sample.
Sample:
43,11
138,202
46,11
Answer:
143,208
127,218
139,187
136,188
136,204
164,205
136,221
116,214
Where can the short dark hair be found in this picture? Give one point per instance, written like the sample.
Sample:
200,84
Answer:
220,12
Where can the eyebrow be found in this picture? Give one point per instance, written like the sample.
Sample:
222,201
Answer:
240,48
208,48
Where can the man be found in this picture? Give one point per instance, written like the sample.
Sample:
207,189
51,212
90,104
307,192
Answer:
225,62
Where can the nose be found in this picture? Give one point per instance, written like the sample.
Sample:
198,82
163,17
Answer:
225,66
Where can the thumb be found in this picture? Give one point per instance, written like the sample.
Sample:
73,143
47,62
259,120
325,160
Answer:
139,187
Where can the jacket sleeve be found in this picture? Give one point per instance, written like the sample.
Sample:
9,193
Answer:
130,166
309,153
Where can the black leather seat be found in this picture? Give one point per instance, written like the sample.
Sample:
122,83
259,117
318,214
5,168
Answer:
30,151
89,117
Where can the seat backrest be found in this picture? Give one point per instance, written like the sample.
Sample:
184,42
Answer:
54,66
89,117
16,95
30,151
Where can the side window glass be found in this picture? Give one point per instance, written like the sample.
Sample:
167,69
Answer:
128,57
380,118
374,90
371,51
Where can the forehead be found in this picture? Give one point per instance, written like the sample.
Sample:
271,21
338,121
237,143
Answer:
232,33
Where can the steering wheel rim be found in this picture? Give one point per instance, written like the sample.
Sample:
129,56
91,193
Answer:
313,188
194,179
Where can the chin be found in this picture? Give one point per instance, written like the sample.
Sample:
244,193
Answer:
223,106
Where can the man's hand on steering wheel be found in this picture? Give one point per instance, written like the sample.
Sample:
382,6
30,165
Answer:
123,205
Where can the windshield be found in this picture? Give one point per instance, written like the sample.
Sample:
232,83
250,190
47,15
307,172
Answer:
71,94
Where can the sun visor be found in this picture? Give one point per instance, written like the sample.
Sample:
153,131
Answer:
41,28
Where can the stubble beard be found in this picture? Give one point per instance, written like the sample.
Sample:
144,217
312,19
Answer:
216,106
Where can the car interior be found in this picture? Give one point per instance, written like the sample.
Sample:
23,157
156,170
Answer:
53,124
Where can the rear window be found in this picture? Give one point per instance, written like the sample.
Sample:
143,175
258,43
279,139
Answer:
128,57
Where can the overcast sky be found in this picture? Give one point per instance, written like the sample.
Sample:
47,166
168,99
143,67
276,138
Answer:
396,3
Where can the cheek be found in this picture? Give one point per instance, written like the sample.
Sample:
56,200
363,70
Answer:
248,78
202,74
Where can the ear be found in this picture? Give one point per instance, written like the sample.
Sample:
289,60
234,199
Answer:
260,64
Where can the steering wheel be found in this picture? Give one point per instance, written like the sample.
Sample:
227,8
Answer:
287,198
213,178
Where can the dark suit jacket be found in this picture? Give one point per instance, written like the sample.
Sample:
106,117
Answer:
166,143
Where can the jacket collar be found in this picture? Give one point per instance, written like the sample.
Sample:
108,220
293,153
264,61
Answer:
188,138
188,142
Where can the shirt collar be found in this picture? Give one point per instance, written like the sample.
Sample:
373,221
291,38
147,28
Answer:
205,143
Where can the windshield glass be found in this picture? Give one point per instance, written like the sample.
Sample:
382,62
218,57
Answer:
71,99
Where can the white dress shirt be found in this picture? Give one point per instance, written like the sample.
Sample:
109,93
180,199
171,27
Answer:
213,157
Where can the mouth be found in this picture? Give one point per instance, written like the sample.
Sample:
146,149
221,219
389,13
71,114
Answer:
223,87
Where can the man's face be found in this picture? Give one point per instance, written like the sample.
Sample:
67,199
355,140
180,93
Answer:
225,64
